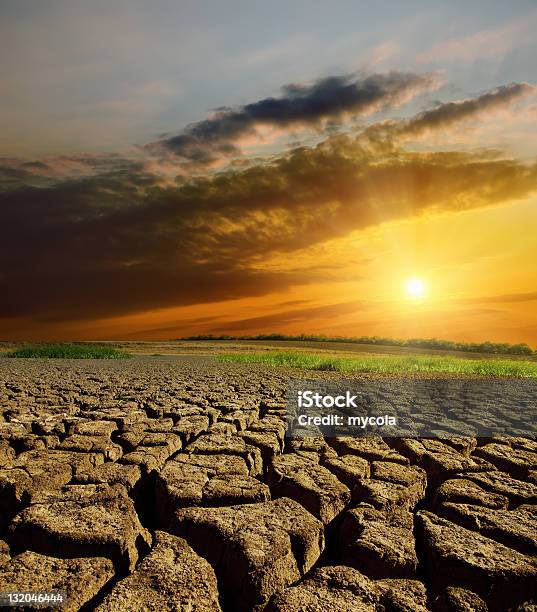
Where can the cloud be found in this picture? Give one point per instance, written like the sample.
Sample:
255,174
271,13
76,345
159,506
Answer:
119,242
100,236
16,172
445,115
328,99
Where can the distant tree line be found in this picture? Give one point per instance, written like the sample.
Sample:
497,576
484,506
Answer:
498,348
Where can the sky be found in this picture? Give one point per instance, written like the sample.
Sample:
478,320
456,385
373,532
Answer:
176,168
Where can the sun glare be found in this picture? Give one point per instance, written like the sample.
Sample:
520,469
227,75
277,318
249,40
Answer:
415,288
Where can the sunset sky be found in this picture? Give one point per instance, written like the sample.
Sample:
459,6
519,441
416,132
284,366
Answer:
170,168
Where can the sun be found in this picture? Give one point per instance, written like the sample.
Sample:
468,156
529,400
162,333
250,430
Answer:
415,288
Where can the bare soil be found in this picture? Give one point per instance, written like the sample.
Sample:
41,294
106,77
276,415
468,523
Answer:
167,483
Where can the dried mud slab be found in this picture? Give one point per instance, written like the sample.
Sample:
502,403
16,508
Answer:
95,428
221,444
458,555
345,589
312,485
372,448
439,460
190,426
256,549
315,449
454,599
83,521
268,442
19,485
85,443
394,486
77,460
515,528
171,578
230,489
110,474
515,461
378,543
205,480
80,579
270,424
464,491
348,469
517,491
148,458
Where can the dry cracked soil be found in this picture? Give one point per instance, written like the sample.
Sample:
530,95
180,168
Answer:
167,483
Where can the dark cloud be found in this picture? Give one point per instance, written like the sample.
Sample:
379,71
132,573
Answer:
35,165
16,172
327,100
12,176
118,242
447,114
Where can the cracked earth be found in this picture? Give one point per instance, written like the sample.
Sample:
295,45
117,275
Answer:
168,484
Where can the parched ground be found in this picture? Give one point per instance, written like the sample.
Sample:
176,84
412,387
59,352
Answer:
167,483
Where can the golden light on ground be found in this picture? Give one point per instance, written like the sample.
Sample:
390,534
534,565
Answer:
415,288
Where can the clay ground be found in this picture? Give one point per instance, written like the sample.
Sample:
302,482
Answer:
166,483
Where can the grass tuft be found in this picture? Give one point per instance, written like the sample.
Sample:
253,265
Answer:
68,351
391,364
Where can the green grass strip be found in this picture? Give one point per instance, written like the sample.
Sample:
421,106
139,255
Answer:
391,364
68,351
